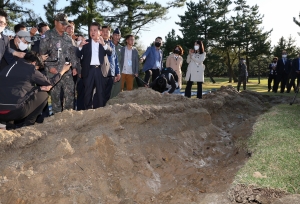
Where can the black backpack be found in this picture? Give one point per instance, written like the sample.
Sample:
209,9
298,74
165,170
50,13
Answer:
168,70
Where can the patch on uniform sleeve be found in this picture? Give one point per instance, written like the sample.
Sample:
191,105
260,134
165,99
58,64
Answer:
43,36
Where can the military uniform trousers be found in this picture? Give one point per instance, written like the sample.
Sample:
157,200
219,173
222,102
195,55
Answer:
66,84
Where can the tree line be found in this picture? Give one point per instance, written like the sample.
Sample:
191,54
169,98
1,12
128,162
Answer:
228,35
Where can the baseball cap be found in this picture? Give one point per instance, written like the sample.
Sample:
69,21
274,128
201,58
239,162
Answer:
24,34
62,18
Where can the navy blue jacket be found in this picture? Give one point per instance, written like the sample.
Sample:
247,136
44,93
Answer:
85,54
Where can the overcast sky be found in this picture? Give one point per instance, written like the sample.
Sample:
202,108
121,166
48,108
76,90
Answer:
277,16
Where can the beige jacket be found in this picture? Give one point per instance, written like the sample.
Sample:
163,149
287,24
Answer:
176,66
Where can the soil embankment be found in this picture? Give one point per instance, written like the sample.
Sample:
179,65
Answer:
143,147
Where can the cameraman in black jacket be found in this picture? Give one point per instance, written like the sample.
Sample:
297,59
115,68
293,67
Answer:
19,96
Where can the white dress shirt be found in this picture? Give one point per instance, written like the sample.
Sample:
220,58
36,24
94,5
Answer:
127,67
95,52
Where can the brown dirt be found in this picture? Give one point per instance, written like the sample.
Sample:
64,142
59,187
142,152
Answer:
143,147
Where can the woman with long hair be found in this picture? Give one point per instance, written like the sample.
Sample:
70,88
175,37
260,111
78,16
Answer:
195,71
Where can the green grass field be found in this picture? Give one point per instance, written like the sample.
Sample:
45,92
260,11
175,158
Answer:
275,144
251,85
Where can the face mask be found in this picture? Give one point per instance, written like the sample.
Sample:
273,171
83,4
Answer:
274,62
176,51
78,43
284,56
1,29
196,47
244,61
22,46
157,44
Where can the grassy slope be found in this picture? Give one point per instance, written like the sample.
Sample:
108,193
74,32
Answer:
275,144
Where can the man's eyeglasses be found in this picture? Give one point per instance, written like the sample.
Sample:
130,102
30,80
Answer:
2,23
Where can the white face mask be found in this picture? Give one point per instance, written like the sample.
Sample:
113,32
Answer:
244,61
284,56
78,43
1,29
22,46
196,47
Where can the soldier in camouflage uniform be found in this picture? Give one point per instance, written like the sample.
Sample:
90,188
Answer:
116,89
60,46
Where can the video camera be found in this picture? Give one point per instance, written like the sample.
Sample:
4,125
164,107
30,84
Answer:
67,61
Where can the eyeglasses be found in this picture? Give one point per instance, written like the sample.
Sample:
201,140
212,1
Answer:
2,23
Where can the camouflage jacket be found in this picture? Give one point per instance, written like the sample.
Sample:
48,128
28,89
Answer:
58,48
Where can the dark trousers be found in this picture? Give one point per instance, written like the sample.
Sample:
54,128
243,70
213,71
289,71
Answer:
108,88
188,89
96,80
282,79
40,118
292,82
80,94
242,79
31,108
153,72
271,78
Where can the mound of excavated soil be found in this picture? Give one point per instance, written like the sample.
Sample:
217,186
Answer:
143,147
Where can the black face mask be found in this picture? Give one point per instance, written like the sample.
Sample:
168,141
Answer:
274,61
157,44
176,51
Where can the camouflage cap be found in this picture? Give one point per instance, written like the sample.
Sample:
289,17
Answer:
62,18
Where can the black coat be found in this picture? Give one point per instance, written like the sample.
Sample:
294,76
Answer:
283,68
18,82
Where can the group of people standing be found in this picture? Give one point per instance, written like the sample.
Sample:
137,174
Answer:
89,70
284,71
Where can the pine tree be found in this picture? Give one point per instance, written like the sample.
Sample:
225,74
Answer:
18,13
132,16
51,11
85,12
286,44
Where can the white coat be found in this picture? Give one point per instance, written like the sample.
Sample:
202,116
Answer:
195,70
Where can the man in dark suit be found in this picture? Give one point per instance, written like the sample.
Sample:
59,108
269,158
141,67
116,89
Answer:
296,72
283,70
95,67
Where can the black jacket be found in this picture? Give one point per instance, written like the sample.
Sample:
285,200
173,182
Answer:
170,86
18,82
85,54
283,68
